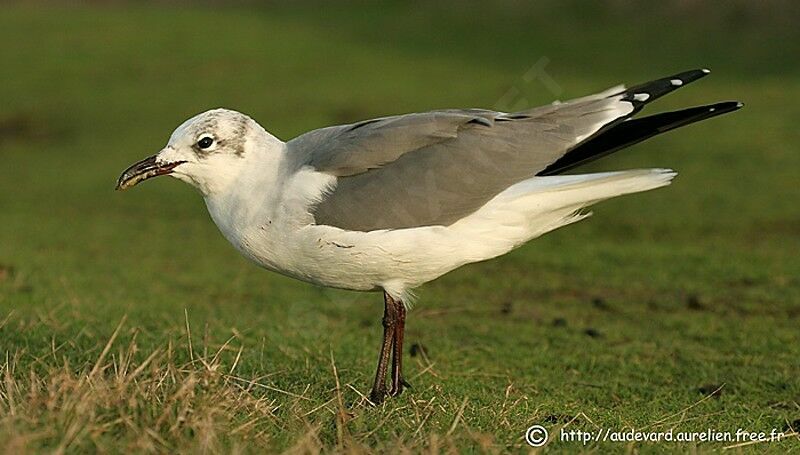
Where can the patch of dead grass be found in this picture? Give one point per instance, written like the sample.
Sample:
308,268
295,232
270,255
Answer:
126,401
154,405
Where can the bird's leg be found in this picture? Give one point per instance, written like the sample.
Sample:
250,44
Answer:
389,324
397,351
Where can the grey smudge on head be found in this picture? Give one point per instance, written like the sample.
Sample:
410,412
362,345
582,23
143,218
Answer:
239,136
229,129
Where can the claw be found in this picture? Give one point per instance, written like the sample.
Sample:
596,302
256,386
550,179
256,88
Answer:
397,389
376,397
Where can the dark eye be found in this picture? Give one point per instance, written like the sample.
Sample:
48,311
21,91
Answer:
205,142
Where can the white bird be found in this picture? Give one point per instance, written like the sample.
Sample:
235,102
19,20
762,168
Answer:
392,203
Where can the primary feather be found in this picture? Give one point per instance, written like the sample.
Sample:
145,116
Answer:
434,168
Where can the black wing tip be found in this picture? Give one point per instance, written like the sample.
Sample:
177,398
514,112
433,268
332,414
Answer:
689,76
633,131
724,107
645,93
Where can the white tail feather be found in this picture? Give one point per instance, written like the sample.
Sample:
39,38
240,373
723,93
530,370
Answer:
542,204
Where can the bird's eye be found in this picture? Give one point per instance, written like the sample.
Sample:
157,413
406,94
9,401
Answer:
205,142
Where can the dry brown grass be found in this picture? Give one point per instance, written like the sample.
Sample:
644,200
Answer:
116,404
161,405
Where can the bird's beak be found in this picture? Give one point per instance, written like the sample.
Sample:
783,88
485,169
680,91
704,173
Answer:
144,170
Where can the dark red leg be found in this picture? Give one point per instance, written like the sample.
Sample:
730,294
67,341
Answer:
389,324
397,352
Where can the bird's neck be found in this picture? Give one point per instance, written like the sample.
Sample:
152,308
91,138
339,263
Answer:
248,190
268,204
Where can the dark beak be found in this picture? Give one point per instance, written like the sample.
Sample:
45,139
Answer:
144,170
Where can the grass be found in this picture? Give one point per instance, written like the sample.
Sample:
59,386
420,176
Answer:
128,324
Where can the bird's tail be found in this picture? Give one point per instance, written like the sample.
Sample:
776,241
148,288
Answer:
541,204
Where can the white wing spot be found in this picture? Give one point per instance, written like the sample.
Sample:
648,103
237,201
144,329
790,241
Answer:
641,96
676,82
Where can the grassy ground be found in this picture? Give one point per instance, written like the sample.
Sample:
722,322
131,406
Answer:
128,324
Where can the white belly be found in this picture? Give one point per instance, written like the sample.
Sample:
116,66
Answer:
396,261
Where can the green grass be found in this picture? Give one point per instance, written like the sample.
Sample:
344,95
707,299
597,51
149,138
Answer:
628,320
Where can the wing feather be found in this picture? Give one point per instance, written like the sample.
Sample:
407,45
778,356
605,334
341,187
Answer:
436,167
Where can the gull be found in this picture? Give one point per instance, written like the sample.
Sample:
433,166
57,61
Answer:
395,202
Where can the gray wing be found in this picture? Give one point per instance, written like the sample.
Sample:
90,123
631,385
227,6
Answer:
434,168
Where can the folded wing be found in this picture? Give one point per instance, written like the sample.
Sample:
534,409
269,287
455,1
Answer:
437,167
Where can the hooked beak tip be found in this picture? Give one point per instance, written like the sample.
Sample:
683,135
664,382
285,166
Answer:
143,170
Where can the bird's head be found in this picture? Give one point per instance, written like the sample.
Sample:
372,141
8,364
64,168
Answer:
206,151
